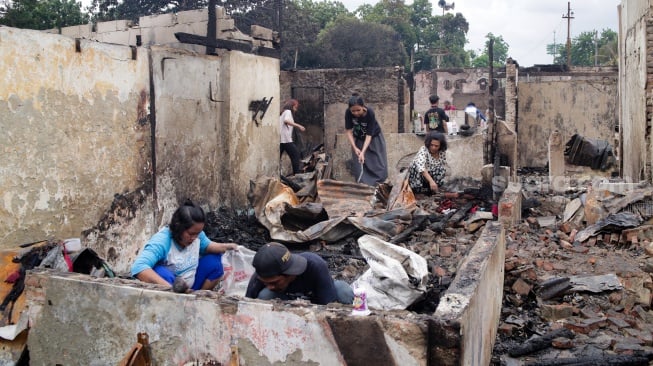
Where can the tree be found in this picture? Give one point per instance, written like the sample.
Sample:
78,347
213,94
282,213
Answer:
301,22
587,49
351,43
43,14
397,15
424,35
499,52
454,37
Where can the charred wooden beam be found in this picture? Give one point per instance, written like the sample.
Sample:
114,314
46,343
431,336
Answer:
554,288
603,360
211,26
439,225
540,343
460,213
226,44
416,224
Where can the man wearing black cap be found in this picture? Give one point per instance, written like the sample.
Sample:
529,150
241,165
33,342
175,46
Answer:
281,274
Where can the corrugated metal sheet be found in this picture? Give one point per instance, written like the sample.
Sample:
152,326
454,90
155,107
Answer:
345,198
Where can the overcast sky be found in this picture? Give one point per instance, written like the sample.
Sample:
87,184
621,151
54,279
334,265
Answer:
527,26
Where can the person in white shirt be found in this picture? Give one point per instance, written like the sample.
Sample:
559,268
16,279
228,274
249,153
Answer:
286,125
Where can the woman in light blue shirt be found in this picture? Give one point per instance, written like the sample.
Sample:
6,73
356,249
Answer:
182,250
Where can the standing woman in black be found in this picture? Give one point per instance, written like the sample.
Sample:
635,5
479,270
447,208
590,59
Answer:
367,143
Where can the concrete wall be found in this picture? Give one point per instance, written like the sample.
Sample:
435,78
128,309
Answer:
74,134
253,148
464,155
204,126
78,320
635,87
583,102
208,147
465,322
160,29
383,89
104,141
460,86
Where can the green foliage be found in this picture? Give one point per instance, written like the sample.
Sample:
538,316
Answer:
43,14
351,43
305,19
454,37
588,49
499,52
433,40
379,28
322,13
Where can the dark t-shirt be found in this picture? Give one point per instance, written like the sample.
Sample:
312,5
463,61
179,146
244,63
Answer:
434,119
362,126
315,283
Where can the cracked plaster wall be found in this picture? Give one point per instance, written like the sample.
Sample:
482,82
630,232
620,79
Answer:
584,104
635,96
73,135
77,137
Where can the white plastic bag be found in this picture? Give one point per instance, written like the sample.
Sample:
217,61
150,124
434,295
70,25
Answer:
238,269
397,276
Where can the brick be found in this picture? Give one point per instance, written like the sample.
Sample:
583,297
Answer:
572,235
446,251
581,250
506,329
620,323
588,313
626,348
565,227
562,343
556,312
566,245
521,287
439,271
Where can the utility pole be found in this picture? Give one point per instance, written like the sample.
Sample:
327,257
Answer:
555,47
569,17
596,49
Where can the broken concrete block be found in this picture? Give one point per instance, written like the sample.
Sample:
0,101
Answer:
546,221
571,209
259,32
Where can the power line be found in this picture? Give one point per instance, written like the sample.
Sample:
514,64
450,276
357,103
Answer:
569,17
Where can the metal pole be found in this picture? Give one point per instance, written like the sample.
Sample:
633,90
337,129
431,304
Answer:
569,17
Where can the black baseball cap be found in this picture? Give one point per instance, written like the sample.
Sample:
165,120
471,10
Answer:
274,259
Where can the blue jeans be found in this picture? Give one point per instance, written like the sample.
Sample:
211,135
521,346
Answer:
209,268
344,293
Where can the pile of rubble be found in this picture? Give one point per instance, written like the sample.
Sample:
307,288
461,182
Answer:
577,287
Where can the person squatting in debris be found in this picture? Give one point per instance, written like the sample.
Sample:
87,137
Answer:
281,274
435,118
367,143
182,251
429,166
286,126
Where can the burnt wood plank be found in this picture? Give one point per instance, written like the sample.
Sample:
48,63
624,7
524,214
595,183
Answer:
226,44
